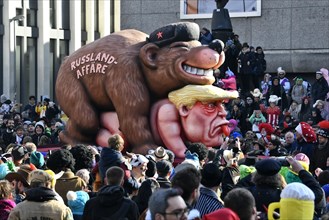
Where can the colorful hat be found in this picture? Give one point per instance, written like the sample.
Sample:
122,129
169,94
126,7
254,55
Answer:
77,201
4,170
302,157
246,170
138,159
323,132
37,159
324,124
222,214
268,128
307,132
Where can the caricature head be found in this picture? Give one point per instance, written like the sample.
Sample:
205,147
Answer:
202,113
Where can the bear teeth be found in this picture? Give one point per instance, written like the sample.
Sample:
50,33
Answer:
197,71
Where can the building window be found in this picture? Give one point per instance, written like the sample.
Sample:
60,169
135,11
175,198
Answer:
31,17
18,68
19,11
96,20
29,77
83,15
112,20
1,9
63,49
65,15
53,64
52,13
194,9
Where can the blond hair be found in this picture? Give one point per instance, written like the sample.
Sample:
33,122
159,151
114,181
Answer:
190,94
116,142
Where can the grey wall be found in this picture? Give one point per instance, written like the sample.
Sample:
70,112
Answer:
293,33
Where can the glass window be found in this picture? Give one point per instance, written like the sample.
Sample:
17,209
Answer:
33,4
52,66
18,68
19,11
83,15
192,9
29,76
112,16
1,9
52,13
31,17
65,24
63,49
96,19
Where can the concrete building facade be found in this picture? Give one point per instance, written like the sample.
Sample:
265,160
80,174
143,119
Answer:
36,35
293,33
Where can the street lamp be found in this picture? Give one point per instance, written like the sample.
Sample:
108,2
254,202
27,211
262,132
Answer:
14,19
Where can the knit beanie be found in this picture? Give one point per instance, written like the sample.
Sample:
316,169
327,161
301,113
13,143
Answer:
37,159
297,191
246,170
3,170
77,201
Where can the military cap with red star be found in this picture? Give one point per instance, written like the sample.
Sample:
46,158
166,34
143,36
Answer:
181,31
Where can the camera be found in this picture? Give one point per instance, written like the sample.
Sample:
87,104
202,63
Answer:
283,162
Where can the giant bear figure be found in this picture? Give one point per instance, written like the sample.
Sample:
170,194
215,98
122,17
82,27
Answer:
126,72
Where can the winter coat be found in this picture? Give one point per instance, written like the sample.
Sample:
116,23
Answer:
68,181
264,195
320,89
110,203
246,60
109,158
259,64
298,92
6,205
320,157
40,203
229,83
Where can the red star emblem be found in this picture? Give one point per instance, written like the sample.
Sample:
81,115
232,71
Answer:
159,35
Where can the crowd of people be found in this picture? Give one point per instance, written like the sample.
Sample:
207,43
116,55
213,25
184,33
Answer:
274,161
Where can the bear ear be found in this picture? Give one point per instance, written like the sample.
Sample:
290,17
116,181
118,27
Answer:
148,55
